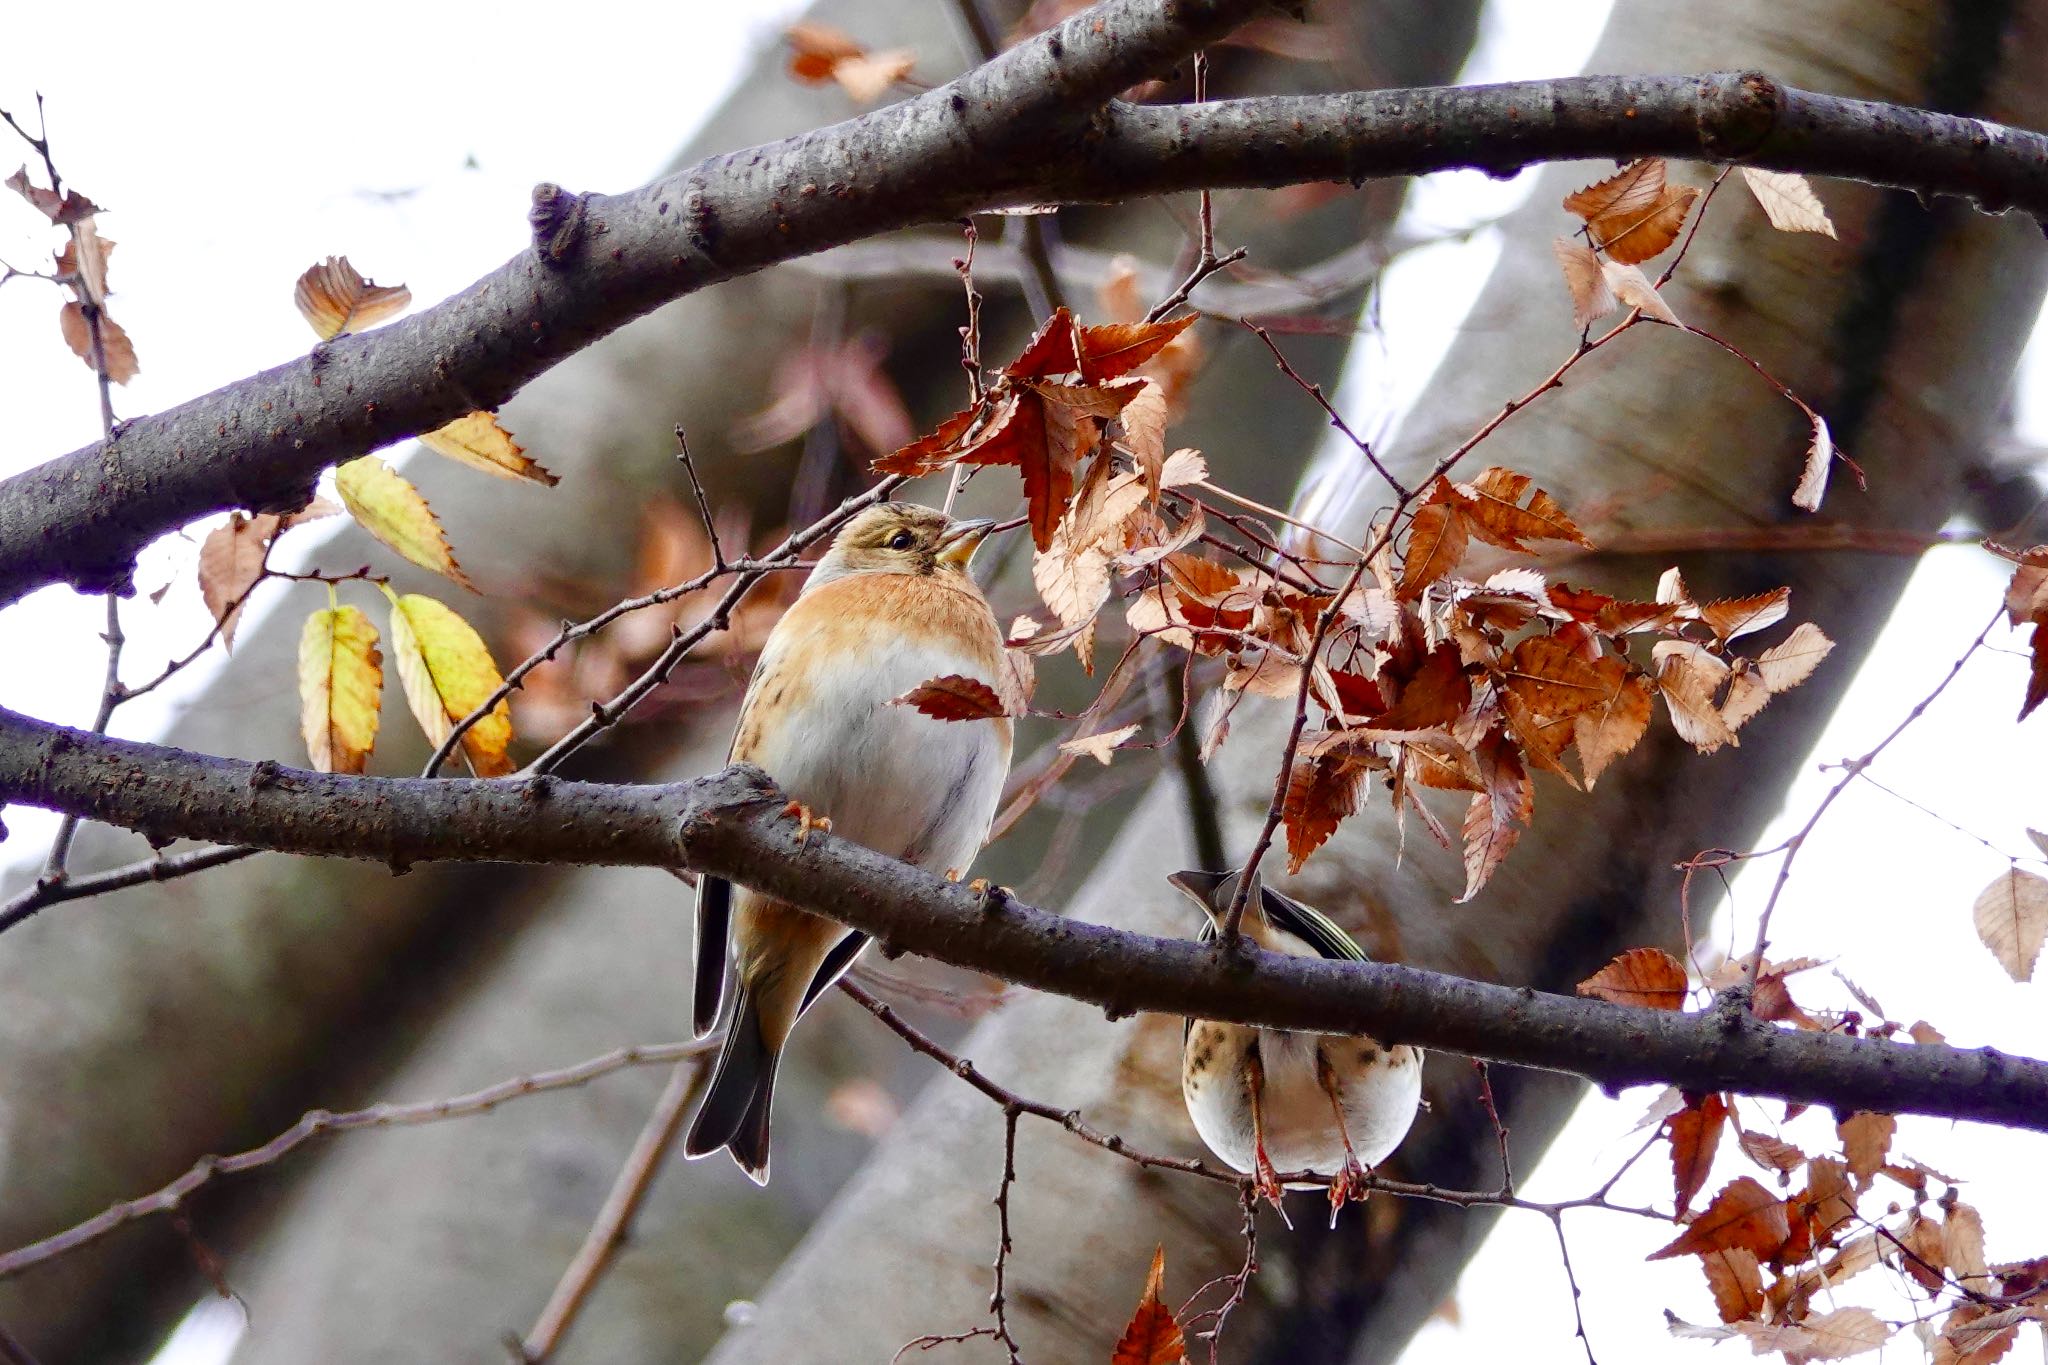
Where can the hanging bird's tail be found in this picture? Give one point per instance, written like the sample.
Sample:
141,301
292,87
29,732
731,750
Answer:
734,1115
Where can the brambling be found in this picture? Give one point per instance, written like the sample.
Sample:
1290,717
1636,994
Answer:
888,607
1268,1100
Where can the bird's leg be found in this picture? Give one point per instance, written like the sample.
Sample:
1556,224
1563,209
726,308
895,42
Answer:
1350,1182
806,821
1264,1178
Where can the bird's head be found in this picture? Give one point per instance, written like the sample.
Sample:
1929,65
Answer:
902,537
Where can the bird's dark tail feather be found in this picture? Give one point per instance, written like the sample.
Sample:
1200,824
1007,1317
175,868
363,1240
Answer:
714,914
734,1115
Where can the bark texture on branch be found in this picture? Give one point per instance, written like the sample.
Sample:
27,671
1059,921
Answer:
1019,129
731,824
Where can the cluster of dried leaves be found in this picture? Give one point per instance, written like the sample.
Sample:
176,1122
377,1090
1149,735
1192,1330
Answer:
1814,1238
81,267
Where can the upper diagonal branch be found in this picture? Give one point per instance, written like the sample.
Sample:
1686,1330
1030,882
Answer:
1027,126
729,824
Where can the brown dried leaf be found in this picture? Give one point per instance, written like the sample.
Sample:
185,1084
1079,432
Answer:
2011,916
1695,1132
1734,616
1435,695
1923,1256
2026,596
1152,1337
1813,476
1634,288
1611,728
230,562
333,298
114,343
1099,747
1976,1334
1962,1246
1591,298
1840,1334
1689,676
954,697
814,49
1647,977
1498,812
1773,1154
1736,1282
1054,349
1866,1138
1633,215
1120,347
1788,201
1827,1205
1553,679
1437,537
1143,420
1744,1214
1499,516
1322,793
73,207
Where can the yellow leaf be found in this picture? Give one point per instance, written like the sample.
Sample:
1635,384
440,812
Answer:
386,505
341,681
447,672
477,440
1788,201
334,298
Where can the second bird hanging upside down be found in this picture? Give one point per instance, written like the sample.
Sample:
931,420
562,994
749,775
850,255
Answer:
889,606
1272,1100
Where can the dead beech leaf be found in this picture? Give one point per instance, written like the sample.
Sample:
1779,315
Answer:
1788,201
334,298
1611,728
1922,1255
1689,675
1591,298
1500,517
1866,1138
1784,666
1184,466
1820,460
230,561
1634,289
954,697
2011,916
477,440
114,343
72,207
1497,813
1322,792
384,503
1744,1214
341,681
1647,977
1736,1282
1152,1337
1840,1334
1773,1154
1633,215
1962,1246
1977,1334
1099,747
1437,537
1117,348
1143,420
1734,616
1695,1132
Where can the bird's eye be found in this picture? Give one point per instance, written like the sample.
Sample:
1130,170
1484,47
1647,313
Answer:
902,540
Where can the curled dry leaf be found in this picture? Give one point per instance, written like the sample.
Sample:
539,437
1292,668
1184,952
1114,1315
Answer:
69,208
1498,812
341,682
230,561
1689,675
1507,509
1866,1138
1962,1246
478,441
1099,747
1143,420
1788,201
1820,460
1152,1337
115,346
954,697
1647,977
334,298
2026,599
384,503
1634,288
1773,1154
2011,916
447,672
1695,1132
1633,215
1744,1214
1591,298
1734,616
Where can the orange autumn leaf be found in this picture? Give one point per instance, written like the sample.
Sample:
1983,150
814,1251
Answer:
1744,1214
1633,215
1437,536
1322,792
954,697
1736,1282
1695,1133
334,298
1499,811
1152,1337
1117,348
115,347
1646,977
1500,516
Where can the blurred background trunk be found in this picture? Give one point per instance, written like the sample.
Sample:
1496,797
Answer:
1905,334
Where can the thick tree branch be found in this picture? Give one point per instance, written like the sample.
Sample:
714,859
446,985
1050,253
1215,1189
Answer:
729,823
1029,125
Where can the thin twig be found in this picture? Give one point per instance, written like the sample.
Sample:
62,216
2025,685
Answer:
158,869
628,1191
703,501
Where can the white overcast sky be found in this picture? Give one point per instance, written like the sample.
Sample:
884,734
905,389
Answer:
233,152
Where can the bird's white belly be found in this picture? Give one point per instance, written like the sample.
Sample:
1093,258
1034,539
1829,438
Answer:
890,777
1300,1123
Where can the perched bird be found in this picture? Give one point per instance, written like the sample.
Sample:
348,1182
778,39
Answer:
889,606
1270,1100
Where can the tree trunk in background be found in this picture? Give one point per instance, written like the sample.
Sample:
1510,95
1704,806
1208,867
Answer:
434,1242
1905,334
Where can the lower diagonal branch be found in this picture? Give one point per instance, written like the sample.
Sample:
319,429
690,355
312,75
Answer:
728,823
